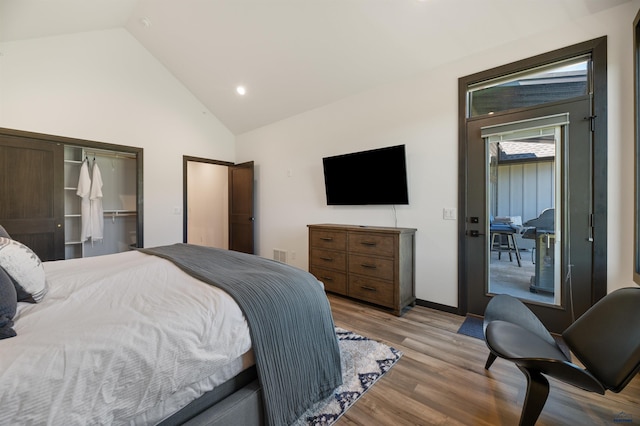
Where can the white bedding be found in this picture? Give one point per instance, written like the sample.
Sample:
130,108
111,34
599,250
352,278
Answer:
126,338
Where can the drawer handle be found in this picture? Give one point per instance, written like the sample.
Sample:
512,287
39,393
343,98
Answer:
369,243
327,278
364,287
327,259
368,266
326,238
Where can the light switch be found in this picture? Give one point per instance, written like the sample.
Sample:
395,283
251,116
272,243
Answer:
449,213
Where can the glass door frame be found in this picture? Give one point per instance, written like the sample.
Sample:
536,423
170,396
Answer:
577,248
524,131
597,48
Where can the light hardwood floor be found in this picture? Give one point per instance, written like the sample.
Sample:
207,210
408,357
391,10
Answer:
441,380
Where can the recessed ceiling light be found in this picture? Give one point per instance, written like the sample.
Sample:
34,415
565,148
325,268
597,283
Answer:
241,90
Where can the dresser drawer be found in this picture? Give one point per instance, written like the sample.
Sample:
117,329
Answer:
371,263
333,281
371,290
371,266
375,244
328,239
328,259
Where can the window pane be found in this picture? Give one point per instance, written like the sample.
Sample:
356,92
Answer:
553,83
524,205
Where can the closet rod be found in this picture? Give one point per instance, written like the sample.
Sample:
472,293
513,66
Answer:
105,152
110,154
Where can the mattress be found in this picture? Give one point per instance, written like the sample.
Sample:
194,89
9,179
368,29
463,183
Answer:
125,338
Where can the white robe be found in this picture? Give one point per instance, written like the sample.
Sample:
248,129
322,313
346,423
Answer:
97,213
83,191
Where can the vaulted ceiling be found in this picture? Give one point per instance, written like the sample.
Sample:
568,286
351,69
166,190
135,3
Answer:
295,55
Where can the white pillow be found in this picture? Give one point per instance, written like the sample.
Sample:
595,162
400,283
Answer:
25,269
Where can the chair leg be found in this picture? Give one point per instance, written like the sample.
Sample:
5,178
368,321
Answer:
493,242
534,400
515,246
490,360
499,244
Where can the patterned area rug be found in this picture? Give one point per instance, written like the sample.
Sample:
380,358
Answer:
364,362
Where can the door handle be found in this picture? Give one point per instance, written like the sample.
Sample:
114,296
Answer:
474,233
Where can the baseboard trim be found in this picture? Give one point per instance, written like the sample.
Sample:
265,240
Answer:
438,306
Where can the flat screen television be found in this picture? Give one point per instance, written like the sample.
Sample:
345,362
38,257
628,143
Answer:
377,176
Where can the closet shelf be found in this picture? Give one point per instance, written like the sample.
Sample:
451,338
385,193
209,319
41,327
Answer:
113,214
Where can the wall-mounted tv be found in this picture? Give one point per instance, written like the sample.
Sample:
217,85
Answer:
377,176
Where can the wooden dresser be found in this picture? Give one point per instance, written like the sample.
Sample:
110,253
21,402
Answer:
369,263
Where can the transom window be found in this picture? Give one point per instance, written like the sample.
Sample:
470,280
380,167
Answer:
554,82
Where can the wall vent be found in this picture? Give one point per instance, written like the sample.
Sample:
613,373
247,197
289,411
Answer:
280,255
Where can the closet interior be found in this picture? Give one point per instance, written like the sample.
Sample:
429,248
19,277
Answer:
119,231
39,176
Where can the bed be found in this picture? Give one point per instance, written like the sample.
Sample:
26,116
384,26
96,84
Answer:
144,337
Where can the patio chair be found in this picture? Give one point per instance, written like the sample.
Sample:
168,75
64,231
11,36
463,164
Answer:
504,232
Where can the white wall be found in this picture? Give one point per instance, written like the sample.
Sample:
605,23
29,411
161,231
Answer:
104,86
208,204
422,113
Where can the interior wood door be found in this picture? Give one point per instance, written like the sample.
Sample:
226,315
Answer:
241,218
32,194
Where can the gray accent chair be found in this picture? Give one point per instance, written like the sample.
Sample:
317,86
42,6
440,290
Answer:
605,339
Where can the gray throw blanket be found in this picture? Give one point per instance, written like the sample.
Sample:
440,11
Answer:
290,322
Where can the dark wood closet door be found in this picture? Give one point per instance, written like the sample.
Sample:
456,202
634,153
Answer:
241,217
32,194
